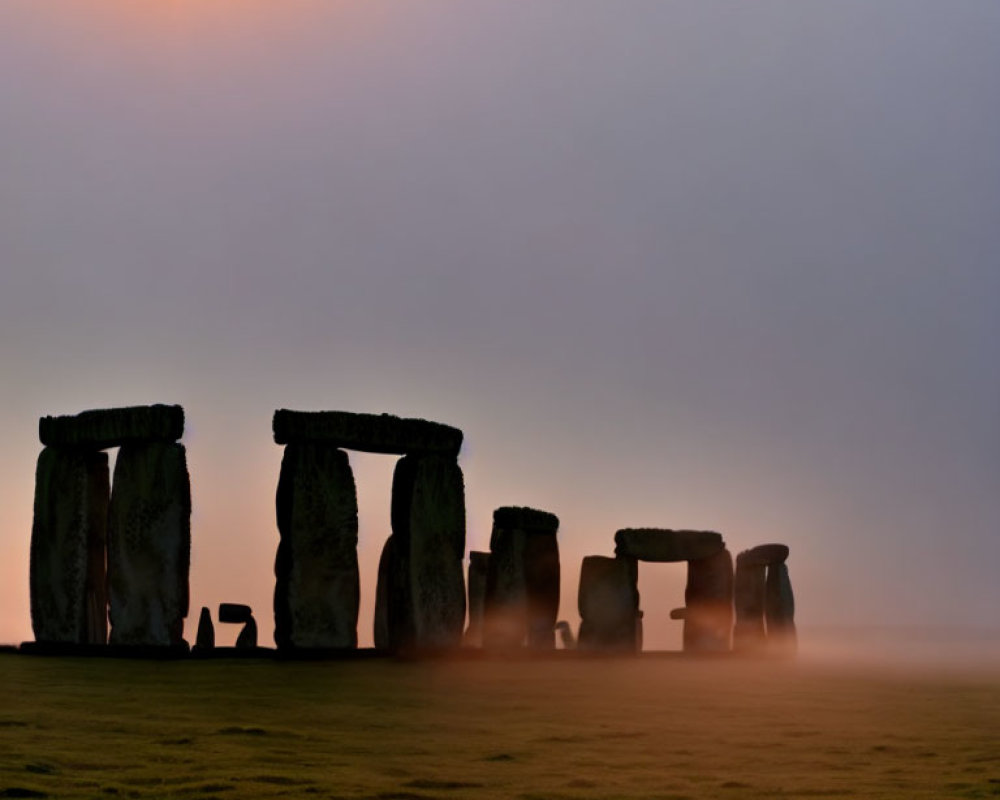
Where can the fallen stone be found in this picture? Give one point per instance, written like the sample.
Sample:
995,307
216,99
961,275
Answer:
149,545
779,610
609,604
765,554
372,433
113,427
317,586
235,613
708,598
664,545
205,638
477,576
749,633
428,523
67,564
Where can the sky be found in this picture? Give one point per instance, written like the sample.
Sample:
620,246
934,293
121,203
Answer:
712,265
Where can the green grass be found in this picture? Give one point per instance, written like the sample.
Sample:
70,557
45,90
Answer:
646,728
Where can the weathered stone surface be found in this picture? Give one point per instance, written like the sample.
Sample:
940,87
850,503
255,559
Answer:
205,638
506,611
708,621
542,580
664,545
477,576
373,433
149,545
522,585
764,554
749,633
235,613
67,574
113,427
428,524
609,604
525,519
317,587
779,609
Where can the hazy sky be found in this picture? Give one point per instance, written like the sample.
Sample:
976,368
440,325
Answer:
683,264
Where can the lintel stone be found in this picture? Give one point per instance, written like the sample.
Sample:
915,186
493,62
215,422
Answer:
370,433
113,427
665,545
764,555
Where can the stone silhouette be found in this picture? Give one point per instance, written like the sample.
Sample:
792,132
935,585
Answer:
420,597
67,571
765,606
779,610
708,613
478,569
317,588
149,545
708,598
205,638
522,583
239,614
141,532
609,605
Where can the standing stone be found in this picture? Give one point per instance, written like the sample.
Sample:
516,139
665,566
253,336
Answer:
779,610
522,587
317,586
749,633
708,619
205,638
428,522
506,601
149,545
67,573
609,604
393,612
478,571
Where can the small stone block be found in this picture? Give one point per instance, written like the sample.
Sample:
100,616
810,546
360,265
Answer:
235,613
371,433
205,638
113,427
678,613
665,545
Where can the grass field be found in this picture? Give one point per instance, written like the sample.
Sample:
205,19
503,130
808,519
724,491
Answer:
565,728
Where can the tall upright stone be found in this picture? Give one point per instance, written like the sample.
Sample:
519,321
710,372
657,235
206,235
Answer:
317,587
609,605
393,608
708,597
750,633
149,545
479,564
779,610
428,524
522,587
67,569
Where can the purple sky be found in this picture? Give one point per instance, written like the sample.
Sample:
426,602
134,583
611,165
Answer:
692,264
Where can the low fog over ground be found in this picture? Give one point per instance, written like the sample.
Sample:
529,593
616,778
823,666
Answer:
703,265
